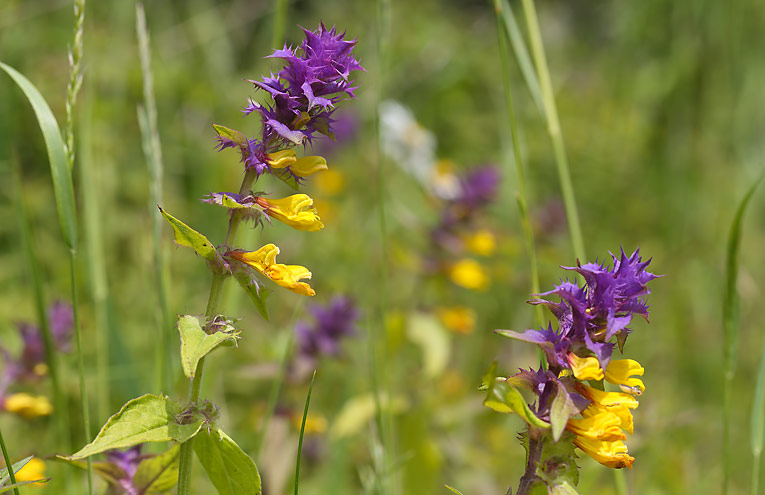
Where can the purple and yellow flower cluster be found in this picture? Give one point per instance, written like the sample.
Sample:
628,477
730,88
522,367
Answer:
592,321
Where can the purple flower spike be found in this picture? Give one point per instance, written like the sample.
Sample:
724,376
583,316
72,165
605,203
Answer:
332,323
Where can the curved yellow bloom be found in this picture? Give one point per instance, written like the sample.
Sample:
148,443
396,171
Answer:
297,211
586,368
613,402
601,426
308,165
28,406
32,470
281,159
469,274
623,372
610,454
264,261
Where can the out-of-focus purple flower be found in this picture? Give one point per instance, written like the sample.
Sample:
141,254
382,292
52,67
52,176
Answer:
30,364
331,324
127,460
478,187
592,315
303,96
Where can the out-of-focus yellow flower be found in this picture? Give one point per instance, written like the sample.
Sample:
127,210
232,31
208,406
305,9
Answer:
458,319
330,183
481,242
264,261
469,274
610,454
302,167
623,372
33,470
297,211
586,368
40,369
28,406
314,423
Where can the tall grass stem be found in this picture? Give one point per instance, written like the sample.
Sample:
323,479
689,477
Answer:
302,432
553,128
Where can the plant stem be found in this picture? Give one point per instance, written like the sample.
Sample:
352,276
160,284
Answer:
81,365
553,127
532,458
8,464
216,288
521,197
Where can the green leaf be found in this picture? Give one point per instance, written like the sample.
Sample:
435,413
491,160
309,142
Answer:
505,398
186,236
561,409
4,477
453,490
231,134
231,471
196,343
159,473
563,489
63,190
149,418
22,483
286,177
302,433
258,294
432,338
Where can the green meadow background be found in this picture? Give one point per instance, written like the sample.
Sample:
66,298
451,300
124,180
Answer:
662,108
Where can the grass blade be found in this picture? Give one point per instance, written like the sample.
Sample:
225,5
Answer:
302,431
63,188
11,474
730,325
758,422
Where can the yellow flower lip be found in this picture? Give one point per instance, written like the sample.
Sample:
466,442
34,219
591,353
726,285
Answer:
301,167
611,454
604,426
586,368
264,261
297,211
623,372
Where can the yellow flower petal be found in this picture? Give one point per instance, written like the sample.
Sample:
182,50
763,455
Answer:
32,470
613,402
264,261
469,274
308,165
297,211
28,406
623,372
586,368
281,159
602,426
610,454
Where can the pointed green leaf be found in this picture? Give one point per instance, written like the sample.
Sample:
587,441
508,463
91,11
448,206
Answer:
158,474
4,477
186,236
63,190
258,294
231,471
149,418
286,177
22,483
231,134
453,490
561,409
504,398
196,343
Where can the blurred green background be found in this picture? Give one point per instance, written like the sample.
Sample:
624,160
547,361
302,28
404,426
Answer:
661,106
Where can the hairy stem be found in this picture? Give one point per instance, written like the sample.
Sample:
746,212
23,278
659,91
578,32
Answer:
533,456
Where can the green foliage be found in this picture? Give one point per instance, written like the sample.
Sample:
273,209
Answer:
231,134
230,469
8,488
504,398
149,418
5,476
159,473
561,410
302,433
453,490
258,293
62,177
196,343
186,236
426,331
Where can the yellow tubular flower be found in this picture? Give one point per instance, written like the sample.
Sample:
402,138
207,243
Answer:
308,165
610,454
297,211
614,402
586,368
601,426
28,406
622,372
281,159
264,261
33,470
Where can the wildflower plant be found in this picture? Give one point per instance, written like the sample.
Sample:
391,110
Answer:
571,406
301,100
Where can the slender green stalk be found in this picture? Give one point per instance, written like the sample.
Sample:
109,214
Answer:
553,127
280,22
8,464
75,79
147,119
521,198
758,422
731,328
302,432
